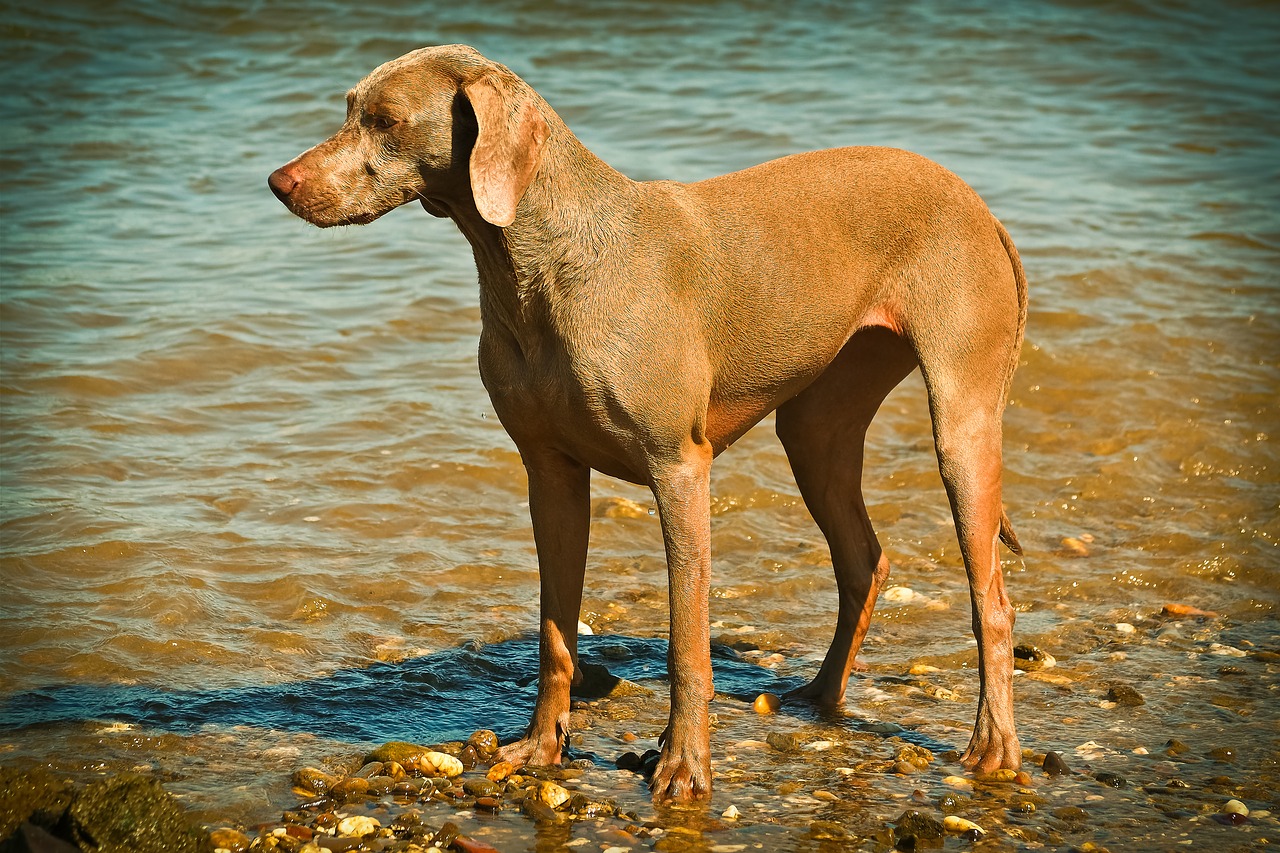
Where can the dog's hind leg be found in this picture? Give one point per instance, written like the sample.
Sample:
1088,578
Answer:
822,430
966,400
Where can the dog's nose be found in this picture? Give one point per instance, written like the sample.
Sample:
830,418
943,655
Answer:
283,181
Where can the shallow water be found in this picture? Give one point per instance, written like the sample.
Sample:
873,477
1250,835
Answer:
257,506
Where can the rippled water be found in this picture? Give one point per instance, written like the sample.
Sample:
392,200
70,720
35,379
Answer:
253,488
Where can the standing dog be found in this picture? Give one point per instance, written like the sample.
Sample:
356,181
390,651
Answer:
639,329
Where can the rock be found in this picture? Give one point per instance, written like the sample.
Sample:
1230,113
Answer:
230,839
379,785
915,825
131,814
1003,774
783,742
1073,547
1054,765
358,826
398,751
436,765
958,782
1023,778
628,761
767,703
731,813
905,768
955,823
1124,628
488,804
898,595
351,788
549,794
1071,814
36,839
500,771
485,743
1123,694
369,770
1112,780
463,844
1187,610
598,683
615,507
33,795
917,755
1222,753
923,669
1235,807
481,788
1029,658
1175,747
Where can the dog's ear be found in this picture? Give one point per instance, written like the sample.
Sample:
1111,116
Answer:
508,147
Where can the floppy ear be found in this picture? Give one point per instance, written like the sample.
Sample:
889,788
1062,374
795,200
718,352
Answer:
508,148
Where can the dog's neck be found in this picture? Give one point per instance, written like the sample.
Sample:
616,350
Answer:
570,220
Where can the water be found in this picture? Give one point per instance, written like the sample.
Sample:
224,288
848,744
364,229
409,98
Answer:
253,488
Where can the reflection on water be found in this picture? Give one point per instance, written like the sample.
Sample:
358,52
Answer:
246,460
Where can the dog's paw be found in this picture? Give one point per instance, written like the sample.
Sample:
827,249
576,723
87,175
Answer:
681,779
530,750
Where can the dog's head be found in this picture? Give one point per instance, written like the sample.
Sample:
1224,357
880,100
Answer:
441,125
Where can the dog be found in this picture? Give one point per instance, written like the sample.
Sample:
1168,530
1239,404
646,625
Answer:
640,328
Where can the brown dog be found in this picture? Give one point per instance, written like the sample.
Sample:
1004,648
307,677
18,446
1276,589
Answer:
639,329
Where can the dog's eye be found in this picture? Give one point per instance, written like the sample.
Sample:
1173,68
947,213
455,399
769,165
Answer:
382,122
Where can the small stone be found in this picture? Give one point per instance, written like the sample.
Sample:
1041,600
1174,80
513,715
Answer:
487,804
898,594
1124,628
1003,774
628,761
955,823
436,765
396,750
1187,610
1073,547
1123,694
923,669
357,826
550,794
1054,765
369,770
783,742
905,768
1109,779
1223,753
481,788
958,782
1235,807
731,813
1029,658
351,788
914,824
1071,814
379,785
230,839
312,780
463,844
1175,747
767,703
500,771
1023,778
915,755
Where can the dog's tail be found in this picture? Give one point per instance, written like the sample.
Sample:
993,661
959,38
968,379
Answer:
1007,536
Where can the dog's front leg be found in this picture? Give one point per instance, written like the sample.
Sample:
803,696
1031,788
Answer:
559,504
683,497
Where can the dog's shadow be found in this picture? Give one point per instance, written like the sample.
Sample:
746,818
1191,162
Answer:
435,698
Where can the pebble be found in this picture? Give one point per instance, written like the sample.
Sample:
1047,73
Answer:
898,594
485,743
783,742
500,771
916,825
1235,807
550,794
1175,747
1187,610
229,839
1004,774
313,780
1124,628
435,765
358,826
1227,651
957,782
351,788
1054,765
1222,753
731,813
923,669
1029,658
955,823
767,703
1113,780
1073,547
1123,694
